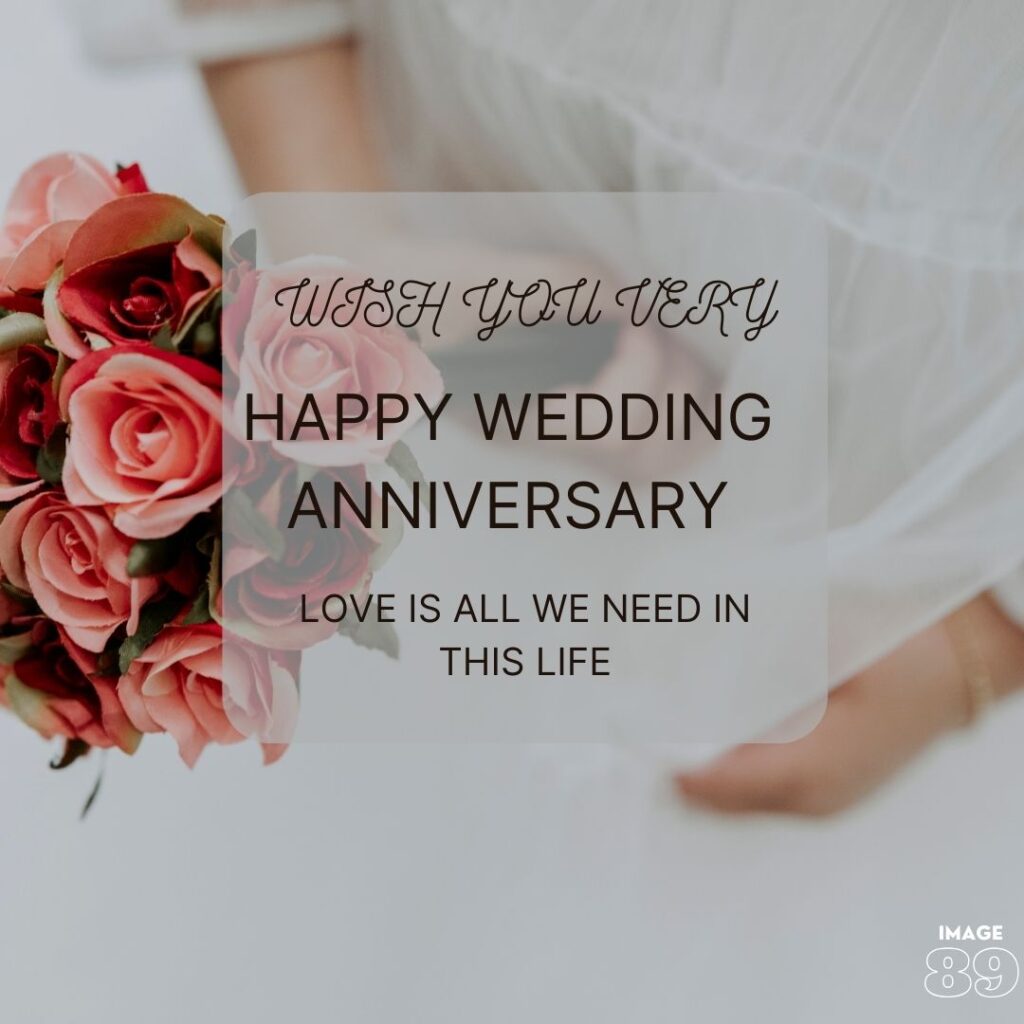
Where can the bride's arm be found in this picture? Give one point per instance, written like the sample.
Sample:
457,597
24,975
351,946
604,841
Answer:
296,120
875,722
282,76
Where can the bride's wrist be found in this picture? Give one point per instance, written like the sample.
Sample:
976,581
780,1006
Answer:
988,655
1007,650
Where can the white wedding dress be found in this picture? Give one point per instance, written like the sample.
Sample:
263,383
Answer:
492,884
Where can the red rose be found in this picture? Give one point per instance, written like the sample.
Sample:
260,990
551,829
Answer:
54,687
139,265
28,415
263,590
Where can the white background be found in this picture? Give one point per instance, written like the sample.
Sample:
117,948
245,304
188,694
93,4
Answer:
462,885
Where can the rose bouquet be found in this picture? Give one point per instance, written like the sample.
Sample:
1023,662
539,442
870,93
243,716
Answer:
118,453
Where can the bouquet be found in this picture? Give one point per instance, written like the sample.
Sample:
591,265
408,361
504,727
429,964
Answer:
118,452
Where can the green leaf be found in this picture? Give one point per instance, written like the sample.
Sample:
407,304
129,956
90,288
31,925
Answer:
106,663
246,523
244,247
50,458
21,329
204,338
403,462
199,332
96,786
153,617
73,750
63,364
14,648
163,339
151,557
373,634
94,792
206,544
16,592
213,580
25,701
200,610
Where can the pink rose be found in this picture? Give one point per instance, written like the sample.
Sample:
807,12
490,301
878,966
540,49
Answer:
145,437
48,203
61,187
75,565
261,693
179,685
272,357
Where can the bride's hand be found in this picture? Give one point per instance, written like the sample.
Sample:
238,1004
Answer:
875,723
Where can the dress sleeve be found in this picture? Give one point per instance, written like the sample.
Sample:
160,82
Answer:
126,31
1010,594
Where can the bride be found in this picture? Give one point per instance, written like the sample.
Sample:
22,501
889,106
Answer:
901,122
